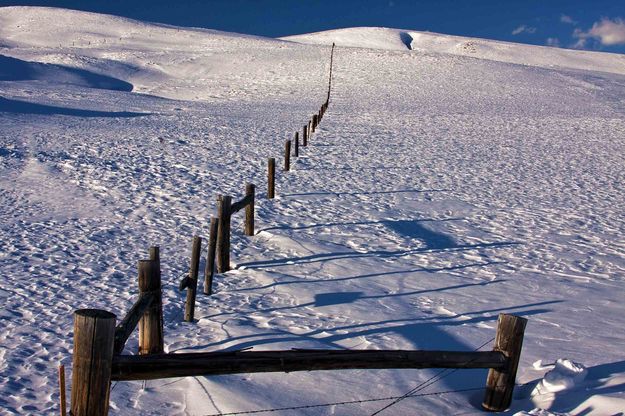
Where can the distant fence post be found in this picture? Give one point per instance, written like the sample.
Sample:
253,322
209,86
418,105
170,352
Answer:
310,130
305,136
209,270
94,336
314,123
151,323
189,309
250,191
223,233
287,155
271,178
500,382
296,150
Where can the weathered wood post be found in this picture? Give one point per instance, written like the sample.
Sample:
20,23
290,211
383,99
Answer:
62,394
309,128
223,233
500,382
296,150
305,136
250,192
209,270
151,323
94,335
314,123
155,254
189,309
287,155
271,178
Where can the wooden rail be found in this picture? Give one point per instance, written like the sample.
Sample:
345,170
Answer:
133,367
95,365
125,328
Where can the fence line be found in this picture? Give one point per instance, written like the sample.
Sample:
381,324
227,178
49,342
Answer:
99,343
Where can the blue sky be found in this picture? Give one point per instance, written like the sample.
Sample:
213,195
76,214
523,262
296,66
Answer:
593,25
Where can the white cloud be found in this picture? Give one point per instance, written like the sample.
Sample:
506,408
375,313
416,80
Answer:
524,29
607,32
555,42
567,19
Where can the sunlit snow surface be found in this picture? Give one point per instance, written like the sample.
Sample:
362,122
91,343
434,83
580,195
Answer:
452,179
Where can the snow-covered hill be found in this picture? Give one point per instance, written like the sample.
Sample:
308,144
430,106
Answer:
452,179
402,40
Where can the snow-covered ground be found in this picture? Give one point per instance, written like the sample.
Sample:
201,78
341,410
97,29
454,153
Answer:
451,179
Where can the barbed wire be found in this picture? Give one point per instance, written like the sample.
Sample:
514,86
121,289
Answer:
310,406
432,380
396,399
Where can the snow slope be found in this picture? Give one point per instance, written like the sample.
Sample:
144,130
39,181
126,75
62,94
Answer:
440,190
401,40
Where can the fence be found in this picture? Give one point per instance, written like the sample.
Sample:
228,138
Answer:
99,342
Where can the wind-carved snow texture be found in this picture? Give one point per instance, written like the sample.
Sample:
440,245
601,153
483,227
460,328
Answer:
439,191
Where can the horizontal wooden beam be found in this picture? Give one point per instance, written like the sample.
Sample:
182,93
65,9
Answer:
150,367
130,321
238,206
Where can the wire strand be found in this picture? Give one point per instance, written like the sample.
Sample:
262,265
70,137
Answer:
432,380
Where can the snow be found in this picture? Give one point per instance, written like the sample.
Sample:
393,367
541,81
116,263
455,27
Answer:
443,187
402,40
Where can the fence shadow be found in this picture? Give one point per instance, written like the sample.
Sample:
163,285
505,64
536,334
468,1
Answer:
371,275
422,332
338,194
315,258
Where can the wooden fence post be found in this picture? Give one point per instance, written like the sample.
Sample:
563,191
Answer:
223,233
94,336
62,393
500,382
305,136
296,152
155,254
189,309
209,270
271,178
287,155
151,323
250,191
310,128
314,123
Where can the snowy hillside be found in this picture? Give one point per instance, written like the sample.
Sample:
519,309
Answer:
402,40
451,179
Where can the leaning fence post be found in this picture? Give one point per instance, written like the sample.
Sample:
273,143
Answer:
500,382
189,309
209,270
94,336
250,191
223,233
271,178
151,323
305,136
287,155
296,150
